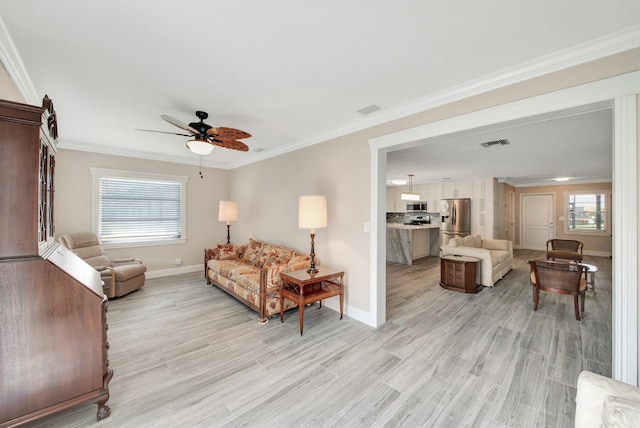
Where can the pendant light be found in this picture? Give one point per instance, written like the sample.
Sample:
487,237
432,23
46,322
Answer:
410,196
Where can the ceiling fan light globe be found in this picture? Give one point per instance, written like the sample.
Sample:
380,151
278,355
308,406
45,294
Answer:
200,147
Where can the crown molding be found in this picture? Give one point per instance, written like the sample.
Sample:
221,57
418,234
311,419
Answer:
611,44
10,58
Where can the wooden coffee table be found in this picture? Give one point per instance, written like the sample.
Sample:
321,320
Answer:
303,288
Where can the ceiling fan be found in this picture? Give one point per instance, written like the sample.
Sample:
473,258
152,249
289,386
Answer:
205,137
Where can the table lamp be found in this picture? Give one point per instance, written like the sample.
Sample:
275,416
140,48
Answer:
228,211
312,214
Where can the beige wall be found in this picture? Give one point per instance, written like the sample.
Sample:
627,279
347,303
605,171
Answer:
339,170
74,195
595,245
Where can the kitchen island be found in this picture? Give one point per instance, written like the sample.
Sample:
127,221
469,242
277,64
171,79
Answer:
407,242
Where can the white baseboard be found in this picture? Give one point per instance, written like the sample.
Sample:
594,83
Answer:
333,303
174,271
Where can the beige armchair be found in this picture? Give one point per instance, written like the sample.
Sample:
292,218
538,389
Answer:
120,276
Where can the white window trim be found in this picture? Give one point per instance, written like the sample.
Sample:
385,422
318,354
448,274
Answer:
98,173
607,229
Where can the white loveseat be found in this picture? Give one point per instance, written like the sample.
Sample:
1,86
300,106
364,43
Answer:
496,256
604,402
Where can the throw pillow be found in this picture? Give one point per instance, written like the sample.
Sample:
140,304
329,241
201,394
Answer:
301,261
227,252
273,255
253,251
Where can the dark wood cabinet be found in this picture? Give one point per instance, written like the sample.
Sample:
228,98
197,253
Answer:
458,273
53,352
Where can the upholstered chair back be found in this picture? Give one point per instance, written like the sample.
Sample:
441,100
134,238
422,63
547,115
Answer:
87,246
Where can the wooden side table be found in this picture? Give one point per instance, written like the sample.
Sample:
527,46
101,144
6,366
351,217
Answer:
303,288
458,273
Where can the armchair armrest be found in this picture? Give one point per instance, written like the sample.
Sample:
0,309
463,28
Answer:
126,261
602,401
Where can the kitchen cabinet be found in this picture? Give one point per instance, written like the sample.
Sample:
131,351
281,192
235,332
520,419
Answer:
433,194
483,207
457,189
448,189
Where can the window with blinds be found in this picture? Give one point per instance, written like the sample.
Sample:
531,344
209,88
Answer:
137,208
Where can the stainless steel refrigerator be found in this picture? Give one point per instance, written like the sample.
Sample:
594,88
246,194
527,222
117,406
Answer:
456,219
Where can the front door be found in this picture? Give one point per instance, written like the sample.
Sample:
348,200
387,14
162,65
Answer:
536,214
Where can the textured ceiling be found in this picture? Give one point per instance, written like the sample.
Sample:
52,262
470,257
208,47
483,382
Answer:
290,72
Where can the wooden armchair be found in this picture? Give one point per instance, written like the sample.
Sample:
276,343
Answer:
560,278
566,249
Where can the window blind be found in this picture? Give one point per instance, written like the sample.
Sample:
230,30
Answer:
133,210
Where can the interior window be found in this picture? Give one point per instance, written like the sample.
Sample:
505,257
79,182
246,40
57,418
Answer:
587,213
134,208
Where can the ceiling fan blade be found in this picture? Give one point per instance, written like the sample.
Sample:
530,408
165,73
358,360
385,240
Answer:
227,133
164,132
179,124
230,144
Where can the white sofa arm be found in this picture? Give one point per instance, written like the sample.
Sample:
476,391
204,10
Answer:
601,401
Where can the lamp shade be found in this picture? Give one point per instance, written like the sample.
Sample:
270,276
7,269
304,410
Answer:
312,212
200,147
228,211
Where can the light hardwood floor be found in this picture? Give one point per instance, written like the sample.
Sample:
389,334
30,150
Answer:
189,355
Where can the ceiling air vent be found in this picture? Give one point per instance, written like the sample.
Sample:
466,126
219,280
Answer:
495,143
368,109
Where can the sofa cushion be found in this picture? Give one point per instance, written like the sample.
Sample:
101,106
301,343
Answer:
227,252
274,255
253,251
498,256
301,261
495,244
469,241
456,242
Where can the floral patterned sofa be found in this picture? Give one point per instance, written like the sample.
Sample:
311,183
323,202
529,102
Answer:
251,273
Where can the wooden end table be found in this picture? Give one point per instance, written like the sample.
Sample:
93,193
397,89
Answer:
458,273
303,288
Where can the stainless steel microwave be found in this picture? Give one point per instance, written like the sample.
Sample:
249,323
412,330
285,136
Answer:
417,207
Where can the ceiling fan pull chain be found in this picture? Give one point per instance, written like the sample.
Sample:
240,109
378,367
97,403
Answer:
200,167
